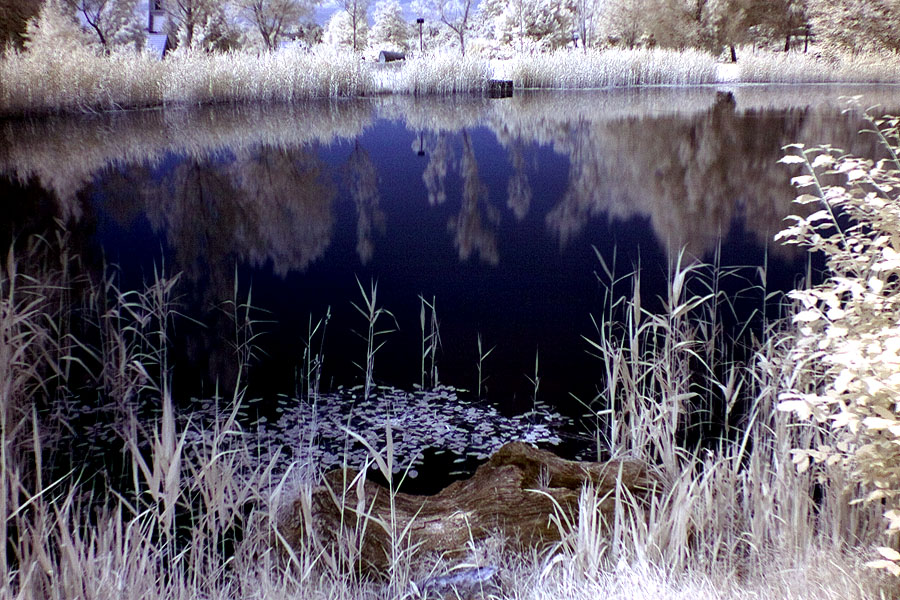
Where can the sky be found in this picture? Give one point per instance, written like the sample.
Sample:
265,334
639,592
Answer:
328,7
323,11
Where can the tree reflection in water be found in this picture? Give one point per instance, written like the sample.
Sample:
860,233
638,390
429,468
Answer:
251,185
272,188
362,178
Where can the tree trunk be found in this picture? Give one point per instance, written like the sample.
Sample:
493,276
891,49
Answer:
733,54
514,494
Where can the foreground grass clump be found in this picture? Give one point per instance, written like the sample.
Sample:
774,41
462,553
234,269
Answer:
849,326
192,509
195,513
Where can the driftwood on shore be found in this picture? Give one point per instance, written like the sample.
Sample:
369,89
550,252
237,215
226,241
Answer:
513,494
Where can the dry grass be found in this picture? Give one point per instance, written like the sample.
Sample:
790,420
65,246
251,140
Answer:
757,66
50,82
738,520
613,68
47,80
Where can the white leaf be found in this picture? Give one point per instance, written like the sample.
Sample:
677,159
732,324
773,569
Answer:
801,407
835,313
819,215
889,553
807,316
791,159
823,160
878,423
884,564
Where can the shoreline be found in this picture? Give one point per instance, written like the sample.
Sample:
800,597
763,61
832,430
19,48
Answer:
83,82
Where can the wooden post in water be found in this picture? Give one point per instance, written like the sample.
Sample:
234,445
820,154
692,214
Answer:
500,88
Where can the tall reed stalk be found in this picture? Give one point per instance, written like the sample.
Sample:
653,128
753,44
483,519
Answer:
431,341
482,356
372,313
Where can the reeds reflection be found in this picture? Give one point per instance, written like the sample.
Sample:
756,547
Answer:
251,184
305,198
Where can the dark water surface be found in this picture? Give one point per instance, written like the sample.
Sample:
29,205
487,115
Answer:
492,208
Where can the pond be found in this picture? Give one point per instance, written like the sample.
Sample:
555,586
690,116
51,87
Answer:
494,218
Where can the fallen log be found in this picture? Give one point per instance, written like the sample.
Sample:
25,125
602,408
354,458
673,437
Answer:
513,494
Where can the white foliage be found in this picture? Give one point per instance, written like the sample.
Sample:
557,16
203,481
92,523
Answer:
389,30
272,20
856,25
540,24
357,20
54,30
339,31
109,22
624,21
456,15
848,327
204,19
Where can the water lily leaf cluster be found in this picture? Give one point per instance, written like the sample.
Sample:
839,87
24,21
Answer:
848,327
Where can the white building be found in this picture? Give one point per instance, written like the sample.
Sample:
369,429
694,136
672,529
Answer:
156,26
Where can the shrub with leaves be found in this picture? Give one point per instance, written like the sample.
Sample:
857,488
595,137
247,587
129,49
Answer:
849,325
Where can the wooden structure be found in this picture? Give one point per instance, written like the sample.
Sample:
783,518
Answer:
514,494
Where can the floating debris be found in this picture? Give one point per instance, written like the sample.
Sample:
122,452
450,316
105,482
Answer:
438,419
316,434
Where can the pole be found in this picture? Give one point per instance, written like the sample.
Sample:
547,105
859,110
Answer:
420,20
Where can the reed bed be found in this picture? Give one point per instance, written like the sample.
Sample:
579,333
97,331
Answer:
438,74
613,68
78,80
796,67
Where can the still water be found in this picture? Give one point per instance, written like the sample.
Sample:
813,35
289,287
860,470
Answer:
495,211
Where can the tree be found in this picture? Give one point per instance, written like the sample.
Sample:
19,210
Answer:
586,18
339,31
624,21
389,30
856,25
797,17
189,17
113,22
275,18
357,11
734,22
683,23
454,14
484,22
14,15
541,23
774,20
54,29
